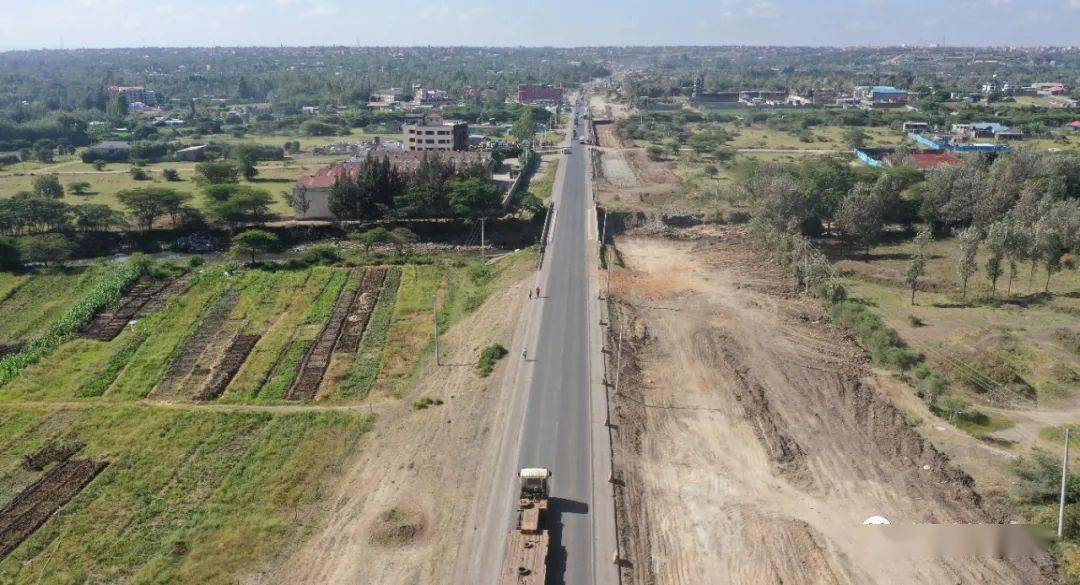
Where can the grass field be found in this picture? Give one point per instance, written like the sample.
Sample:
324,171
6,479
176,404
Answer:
187,497
30,304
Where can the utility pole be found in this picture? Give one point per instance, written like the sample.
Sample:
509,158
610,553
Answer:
482,220
608,272
435,318
1064,477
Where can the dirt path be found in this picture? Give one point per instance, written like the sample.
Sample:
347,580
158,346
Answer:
753,442
399,516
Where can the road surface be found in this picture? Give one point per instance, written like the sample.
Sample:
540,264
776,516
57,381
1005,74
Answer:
557,433
555,416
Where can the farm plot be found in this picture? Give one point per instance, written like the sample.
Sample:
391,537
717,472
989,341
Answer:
360,313
35,302
106,325
315,362
189,495
40,500
182,368
223,372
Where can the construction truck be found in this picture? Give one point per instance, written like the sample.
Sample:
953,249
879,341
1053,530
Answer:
527,548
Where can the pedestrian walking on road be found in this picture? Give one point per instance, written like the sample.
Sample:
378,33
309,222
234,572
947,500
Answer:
524,355
530,294
537,292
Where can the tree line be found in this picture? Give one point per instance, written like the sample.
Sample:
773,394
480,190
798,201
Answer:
375,188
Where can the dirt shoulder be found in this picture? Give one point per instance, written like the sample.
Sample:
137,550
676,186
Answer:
400,513
753,439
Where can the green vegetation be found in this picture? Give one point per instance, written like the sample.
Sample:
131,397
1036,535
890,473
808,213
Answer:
367,364
488,358
187,497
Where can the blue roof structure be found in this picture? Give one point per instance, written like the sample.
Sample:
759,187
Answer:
886,89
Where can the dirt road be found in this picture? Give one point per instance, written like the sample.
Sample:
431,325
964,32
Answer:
752,441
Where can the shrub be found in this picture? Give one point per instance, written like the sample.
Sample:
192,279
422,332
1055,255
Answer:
488,357
322,254
425,402
139,174
171,175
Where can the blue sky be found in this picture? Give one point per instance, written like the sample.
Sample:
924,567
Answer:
112,23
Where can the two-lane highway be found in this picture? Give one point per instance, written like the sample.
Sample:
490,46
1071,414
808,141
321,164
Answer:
557,429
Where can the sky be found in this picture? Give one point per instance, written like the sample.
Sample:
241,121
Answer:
32,24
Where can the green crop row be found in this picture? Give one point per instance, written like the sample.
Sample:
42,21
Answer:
365,368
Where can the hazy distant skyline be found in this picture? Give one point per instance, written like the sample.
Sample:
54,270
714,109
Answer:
126,23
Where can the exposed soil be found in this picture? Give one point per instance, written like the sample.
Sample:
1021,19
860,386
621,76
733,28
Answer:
362,306
52,452
752,440
184,369
225,369
106,325
7,349
41,499
313,367
400,516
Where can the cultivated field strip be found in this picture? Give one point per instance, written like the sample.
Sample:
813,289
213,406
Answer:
363,305
312,368
8,349
230,363
184,363
41,499
106,325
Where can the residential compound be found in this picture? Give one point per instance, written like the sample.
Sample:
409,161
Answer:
539,94
881,96
432,133
314,190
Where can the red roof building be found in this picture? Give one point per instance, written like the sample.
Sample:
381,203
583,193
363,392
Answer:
1075,125
930,160
529,94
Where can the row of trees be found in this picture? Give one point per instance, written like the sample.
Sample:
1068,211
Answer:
375,188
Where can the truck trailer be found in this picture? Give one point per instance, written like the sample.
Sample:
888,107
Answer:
527,545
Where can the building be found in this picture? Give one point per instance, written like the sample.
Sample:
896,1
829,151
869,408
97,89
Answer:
1075,126
758,97
108,151
716,101
432,133
389,96
916,127
192,153
535,94
882,96
931,160
432,98
134,93
314,189
975,130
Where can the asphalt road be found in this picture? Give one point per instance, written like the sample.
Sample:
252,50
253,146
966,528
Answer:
556,432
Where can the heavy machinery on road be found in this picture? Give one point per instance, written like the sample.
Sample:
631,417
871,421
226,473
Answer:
527,546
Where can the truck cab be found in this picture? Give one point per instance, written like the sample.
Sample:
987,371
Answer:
527,546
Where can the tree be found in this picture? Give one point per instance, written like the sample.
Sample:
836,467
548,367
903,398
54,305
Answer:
96,217
861,215
78,187
48,186
252,242
917,268
370,238
99,165
10,258
965,262
118,107
997,241
171,175
855,137
401,237
216,173
146,204
1049,248
524,128
473,197
54,248
139,174
246,157
237,204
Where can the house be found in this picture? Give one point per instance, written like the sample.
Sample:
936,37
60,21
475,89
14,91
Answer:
756,97
987,130
310,110
540,94
431,98
1075,126
389,96
314,190
432,133
916,127
881,96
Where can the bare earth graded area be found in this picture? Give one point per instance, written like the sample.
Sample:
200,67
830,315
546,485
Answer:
752,440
